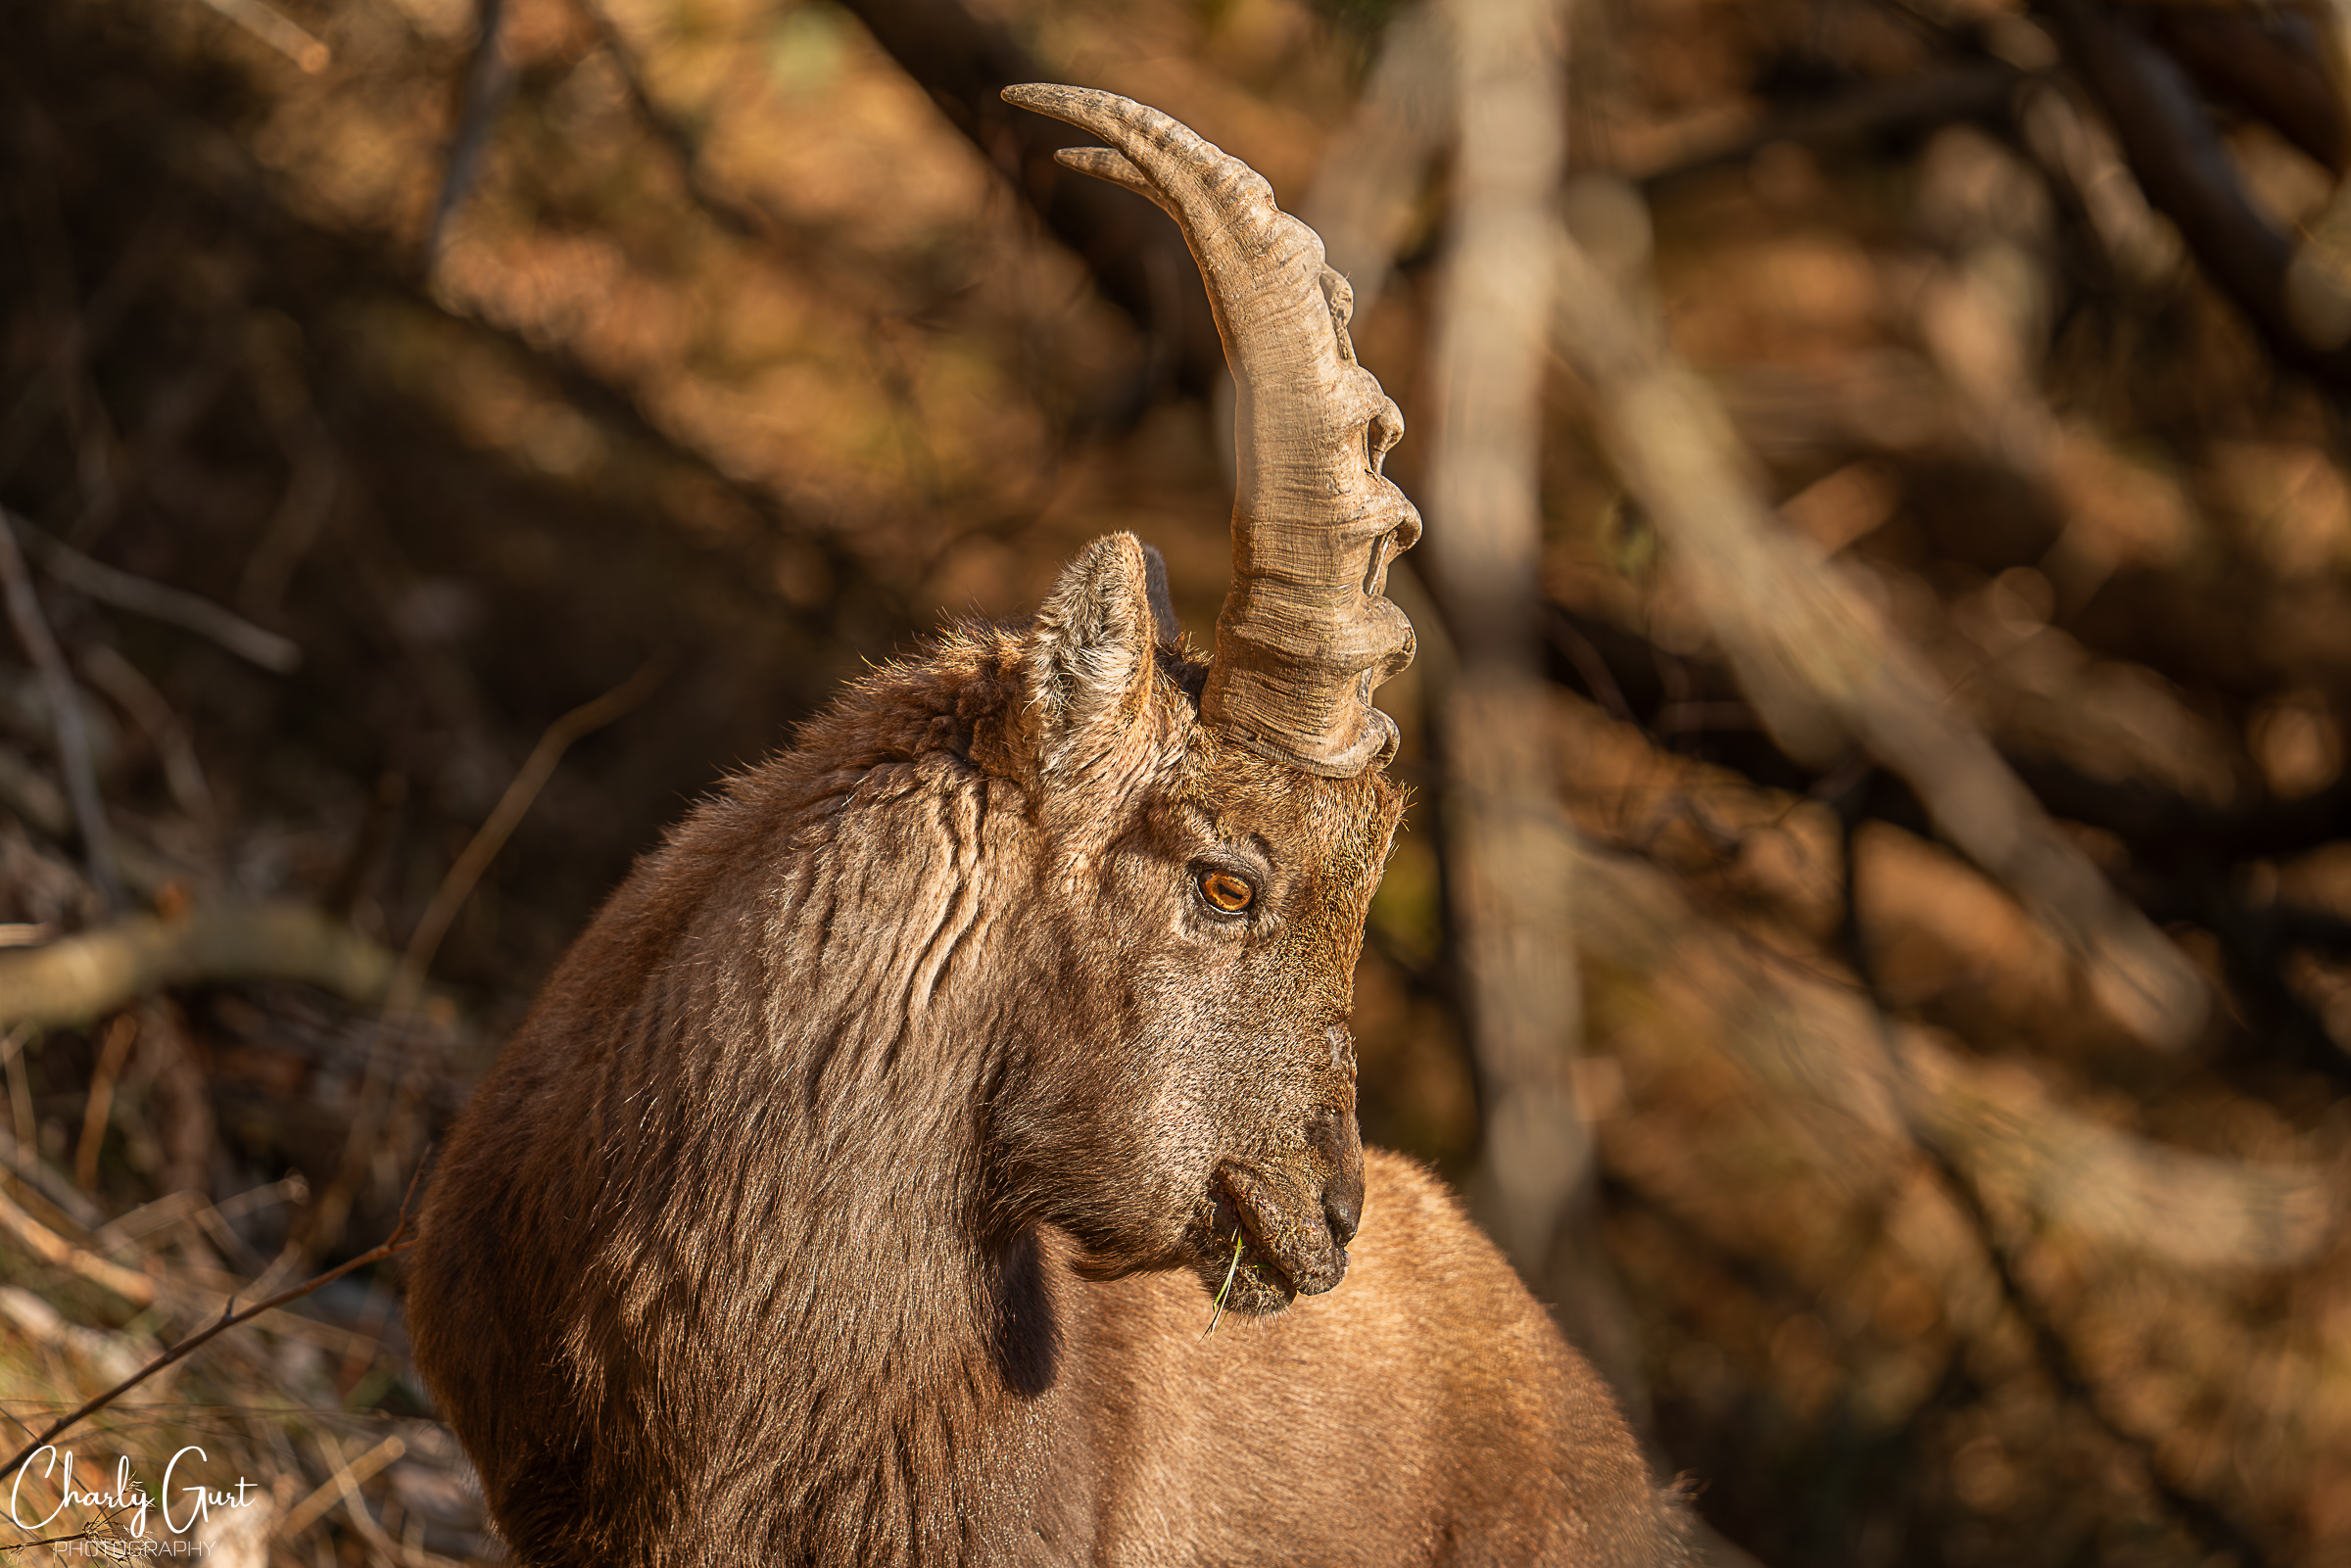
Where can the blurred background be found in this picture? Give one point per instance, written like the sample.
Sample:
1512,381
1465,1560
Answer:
1873,935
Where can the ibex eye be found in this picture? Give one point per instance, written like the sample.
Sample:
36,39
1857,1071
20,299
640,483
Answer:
1226,892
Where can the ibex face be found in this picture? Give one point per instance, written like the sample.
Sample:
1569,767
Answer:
1208,937
1197,918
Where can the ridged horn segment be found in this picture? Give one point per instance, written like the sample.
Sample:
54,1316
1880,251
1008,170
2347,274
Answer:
1305,635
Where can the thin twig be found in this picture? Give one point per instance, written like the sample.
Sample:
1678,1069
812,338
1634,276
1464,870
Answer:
160,602
408,981
120,678
963,59
138,1289
64,705
365,1340
311,489
45,1541
345,1482
274,30
80,334
100,1102
20,1087
172,1208
489,82
291,1189
389,1246
25,790
26,1165
1810,1036
314,471
214,1218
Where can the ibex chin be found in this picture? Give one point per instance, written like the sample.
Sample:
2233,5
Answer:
857,1190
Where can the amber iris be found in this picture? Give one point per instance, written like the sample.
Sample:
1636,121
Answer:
1226,892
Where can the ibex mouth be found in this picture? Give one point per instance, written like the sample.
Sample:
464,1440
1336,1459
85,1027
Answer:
1282,1255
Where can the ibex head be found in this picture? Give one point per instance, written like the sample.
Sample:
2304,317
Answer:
1229,824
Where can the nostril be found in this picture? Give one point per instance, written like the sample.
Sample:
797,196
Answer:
1341,1211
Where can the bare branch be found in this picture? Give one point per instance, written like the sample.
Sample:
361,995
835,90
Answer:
26,1165
272,28
2178,155
2064,1368
96,972
1816,1040
25,790
1934,96
345,1482
1820,665
488,83
1954,1121
47,1245
739,218
2268,61
163,602
2197,1211
64,713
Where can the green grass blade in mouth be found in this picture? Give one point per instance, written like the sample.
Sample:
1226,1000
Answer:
1239,1239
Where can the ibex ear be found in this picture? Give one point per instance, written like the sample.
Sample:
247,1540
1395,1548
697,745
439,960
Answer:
1089,665
1163,606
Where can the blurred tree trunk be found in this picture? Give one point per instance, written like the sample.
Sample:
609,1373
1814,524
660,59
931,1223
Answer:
1505,835
2296,289
1136,256
1511,848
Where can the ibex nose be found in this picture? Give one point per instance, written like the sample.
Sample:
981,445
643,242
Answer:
1334,1136
1343,1209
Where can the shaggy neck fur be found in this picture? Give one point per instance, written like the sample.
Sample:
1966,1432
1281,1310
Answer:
862,925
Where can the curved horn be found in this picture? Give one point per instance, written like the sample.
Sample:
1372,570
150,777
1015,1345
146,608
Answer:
1304,635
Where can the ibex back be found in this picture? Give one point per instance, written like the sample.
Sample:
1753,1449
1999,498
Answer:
857,1190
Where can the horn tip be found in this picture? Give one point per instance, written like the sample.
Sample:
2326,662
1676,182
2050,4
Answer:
1104,163
1057,99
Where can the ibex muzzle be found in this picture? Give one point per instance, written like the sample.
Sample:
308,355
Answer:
837,1203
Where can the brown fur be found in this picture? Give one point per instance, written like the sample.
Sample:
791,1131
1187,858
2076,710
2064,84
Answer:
855,1190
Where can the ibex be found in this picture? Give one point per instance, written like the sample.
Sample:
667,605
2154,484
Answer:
857,1190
